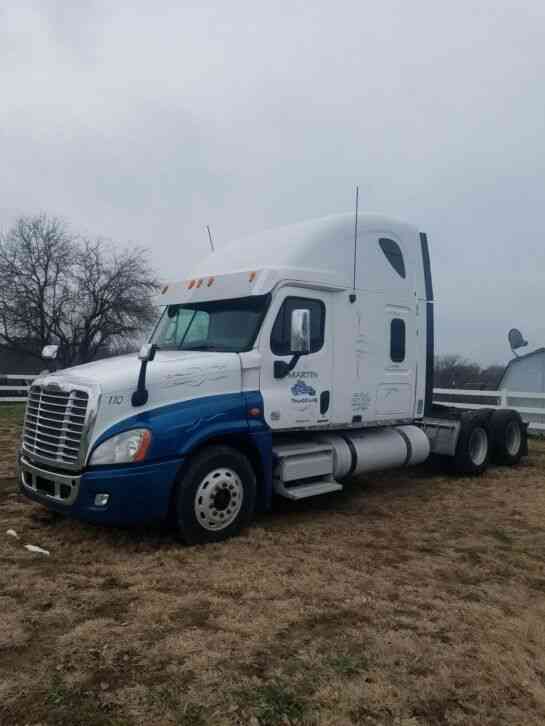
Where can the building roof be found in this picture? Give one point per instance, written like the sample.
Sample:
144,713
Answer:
516,360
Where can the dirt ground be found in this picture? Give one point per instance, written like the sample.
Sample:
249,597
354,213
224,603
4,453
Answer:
408,599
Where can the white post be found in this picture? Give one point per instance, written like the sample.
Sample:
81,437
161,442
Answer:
503,398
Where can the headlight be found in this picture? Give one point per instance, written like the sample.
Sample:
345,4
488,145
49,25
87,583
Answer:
125,448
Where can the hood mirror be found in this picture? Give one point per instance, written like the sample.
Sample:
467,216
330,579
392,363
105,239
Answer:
49,352
145,355
147,352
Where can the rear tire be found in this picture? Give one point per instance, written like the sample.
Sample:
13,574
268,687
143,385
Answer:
473,448
507,437
216,496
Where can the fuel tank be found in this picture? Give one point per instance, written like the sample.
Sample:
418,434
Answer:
356,452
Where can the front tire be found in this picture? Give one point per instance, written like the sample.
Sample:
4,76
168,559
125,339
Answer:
216,496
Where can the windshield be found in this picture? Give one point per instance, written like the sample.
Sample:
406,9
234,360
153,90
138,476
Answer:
227,326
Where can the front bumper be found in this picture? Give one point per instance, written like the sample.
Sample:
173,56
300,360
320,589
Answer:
136,494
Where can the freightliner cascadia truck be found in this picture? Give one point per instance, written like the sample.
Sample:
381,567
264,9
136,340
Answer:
283,364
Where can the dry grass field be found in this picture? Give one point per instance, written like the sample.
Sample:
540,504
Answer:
408,599
11,418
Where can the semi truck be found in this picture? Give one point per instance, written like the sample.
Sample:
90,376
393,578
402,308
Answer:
284,364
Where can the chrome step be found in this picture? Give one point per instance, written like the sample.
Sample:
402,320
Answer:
302,460
302,491
303,469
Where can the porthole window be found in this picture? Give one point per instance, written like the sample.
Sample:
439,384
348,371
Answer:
397,340
393,254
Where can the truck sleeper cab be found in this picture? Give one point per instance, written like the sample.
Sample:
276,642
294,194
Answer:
288,375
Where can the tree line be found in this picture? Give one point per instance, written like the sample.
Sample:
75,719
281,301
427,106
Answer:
84,295
455,371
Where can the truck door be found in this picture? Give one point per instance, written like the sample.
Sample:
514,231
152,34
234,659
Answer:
395,395
303,397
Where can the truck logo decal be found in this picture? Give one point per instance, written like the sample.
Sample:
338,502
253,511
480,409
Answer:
302,389
303,374
196,375
193,376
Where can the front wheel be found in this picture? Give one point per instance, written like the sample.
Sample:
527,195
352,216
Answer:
216,496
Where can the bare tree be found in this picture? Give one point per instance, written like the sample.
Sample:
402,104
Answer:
454,371
58,288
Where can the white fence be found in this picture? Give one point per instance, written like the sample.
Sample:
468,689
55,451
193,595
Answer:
20,389
531,406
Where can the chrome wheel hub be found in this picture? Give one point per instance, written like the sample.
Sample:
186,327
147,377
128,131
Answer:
218,499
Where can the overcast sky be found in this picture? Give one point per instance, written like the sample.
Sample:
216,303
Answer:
144,123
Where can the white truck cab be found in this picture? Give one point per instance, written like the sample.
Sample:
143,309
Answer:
284,363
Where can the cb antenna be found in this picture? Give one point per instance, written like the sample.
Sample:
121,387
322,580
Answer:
210,238
356,237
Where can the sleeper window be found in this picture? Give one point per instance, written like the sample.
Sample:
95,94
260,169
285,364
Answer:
280,335
393,254
397,340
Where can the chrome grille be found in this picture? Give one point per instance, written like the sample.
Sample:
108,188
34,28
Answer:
54,424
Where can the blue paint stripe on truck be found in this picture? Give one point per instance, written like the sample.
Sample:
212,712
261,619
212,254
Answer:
181,427
137,494
141,492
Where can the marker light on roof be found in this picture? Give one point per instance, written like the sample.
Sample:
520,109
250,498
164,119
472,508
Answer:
210,281
199,283
164,289
191,284
252,276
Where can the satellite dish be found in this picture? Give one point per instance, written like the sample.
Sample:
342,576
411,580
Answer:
516,340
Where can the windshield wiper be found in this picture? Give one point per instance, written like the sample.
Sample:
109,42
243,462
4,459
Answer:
207,346
203,346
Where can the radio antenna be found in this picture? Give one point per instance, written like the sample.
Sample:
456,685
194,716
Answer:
210,238
356,234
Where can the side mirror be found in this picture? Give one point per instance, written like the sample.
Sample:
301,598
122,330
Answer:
147,352
300,332
49,352
299,342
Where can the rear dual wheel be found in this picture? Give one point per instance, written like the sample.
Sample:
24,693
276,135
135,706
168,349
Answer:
473,448
500,438
507,437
